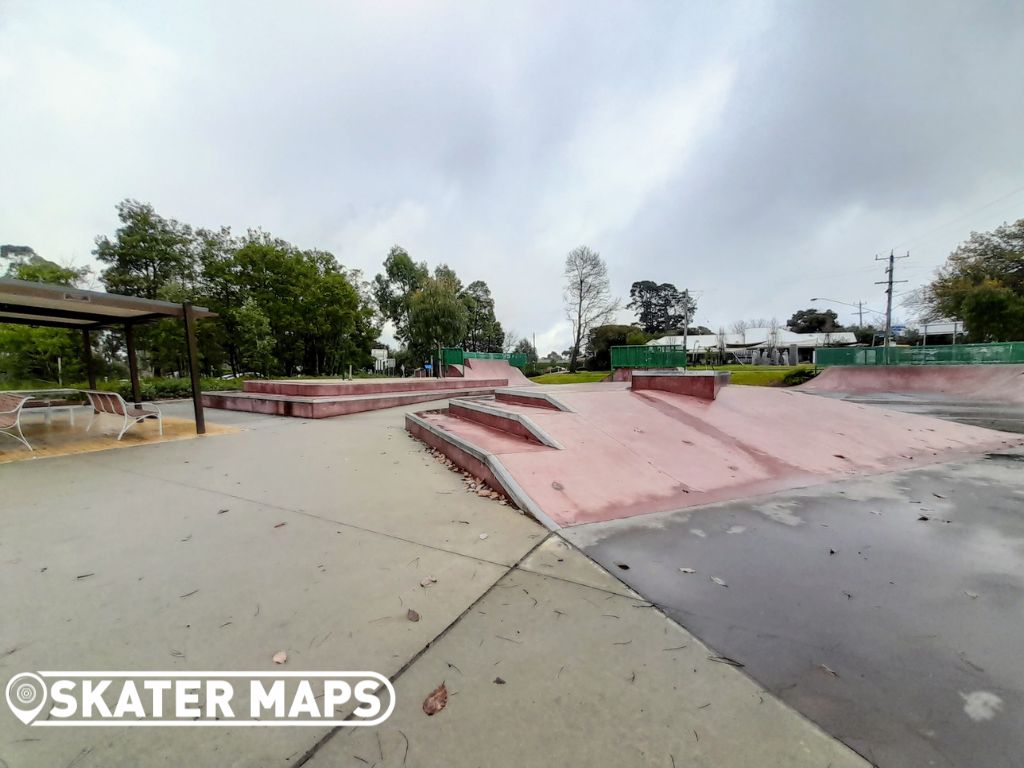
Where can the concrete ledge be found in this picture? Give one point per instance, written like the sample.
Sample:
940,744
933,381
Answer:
326,407
336,388
497,418
528,397
702,384
481,463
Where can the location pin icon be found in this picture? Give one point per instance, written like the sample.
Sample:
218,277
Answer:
26,695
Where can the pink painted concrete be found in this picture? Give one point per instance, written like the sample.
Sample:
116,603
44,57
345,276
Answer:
463,459
492,420
630,453
534,402
325,407
982,382
626,374
495,369
342,387
704,385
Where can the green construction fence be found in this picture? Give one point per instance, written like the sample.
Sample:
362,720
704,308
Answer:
653,356
450,356
946,354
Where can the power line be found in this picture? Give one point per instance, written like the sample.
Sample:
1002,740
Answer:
959,218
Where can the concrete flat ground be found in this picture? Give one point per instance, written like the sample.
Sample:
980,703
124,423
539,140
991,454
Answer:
313,537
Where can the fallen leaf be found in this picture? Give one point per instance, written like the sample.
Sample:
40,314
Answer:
924,518
483,536
557,485
436,701
498,681
411,615
280,657
972,595
719,581
428,581
687,570
280,525
827,668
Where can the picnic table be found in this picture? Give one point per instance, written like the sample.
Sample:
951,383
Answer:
50,400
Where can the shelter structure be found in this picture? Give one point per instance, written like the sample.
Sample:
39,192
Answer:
59,306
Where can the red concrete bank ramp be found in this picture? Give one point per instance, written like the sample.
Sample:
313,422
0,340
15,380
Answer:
614,453
982,382
476,368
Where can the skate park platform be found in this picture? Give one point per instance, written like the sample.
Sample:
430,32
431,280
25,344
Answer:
575,454
323,398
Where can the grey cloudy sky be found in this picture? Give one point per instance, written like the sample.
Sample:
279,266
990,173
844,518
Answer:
759,153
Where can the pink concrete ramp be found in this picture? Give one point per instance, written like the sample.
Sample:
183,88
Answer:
982,382
606,452
476,368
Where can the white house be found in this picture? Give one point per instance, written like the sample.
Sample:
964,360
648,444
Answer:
742,346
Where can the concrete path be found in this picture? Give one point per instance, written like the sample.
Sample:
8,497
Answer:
313,537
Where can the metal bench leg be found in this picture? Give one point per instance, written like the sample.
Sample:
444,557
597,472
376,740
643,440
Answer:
94,415
20,437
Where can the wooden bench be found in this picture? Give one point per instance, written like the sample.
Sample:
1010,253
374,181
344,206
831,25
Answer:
11,407
113,404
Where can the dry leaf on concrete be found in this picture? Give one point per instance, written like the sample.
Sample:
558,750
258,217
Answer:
411,615
436,701
280,657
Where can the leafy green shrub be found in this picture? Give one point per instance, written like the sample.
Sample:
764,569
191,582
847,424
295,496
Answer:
798,376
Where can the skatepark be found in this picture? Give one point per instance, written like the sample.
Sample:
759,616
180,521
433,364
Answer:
760,575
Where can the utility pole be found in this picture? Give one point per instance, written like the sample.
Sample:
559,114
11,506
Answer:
888,282
686,326
860,312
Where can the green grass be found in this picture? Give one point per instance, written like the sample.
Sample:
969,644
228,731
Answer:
580,377
750,375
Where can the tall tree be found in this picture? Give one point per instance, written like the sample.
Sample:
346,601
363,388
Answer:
483,331
147,252
814,320
587,296
393,290
660,308
982,283
524,347
30,354
437,316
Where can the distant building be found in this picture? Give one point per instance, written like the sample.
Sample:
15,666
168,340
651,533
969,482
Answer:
754,342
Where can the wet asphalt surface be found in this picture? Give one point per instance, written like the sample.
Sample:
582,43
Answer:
1008,417
901,636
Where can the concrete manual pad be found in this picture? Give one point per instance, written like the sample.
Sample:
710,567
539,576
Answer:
546,672
887,609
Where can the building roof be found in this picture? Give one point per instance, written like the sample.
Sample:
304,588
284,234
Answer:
757,338
28,303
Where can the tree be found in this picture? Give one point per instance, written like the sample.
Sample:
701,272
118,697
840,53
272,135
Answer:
255,339
483,331
661,307
588,298
524,347
602,338
814,320
437,316
394,289
147,252
982,283
40,354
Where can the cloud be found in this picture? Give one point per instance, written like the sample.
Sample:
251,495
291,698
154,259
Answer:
759,154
